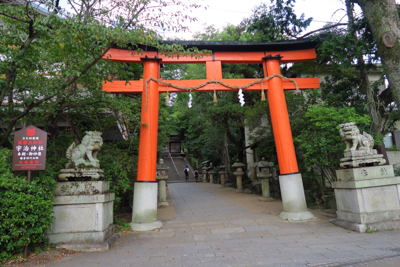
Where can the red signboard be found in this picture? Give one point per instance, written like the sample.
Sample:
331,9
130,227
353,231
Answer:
30,146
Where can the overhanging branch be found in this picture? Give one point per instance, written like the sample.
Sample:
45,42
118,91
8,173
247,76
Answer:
324,28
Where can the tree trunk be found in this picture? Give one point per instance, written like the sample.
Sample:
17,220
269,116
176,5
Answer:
371,99
239,142
383,18
225,153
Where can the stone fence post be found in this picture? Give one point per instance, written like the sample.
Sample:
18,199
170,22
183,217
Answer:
211,172
222,174
162,176
238,172
204,168
264,175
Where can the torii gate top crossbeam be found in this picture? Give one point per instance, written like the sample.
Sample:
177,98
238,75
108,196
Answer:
226,52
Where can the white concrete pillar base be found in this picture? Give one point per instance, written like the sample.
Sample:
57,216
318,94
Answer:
293,198
266,199
144,214
296,216
146,226
163,204
239,190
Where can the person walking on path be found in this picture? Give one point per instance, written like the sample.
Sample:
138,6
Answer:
196,175
186,171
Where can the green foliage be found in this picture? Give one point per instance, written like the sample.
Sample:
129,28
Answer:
319,141
276,22
25,209
349,59
396,169
54,59
215,131
119,162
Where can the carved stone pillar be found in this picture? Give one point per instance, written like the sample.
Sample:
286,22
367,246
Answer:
239,173
162,176
211,172
204,168
264,175
222,174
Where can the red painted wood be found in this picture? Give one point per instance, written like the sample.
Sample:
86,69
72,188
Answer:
213,70
128,56
280,120
149,126
136,87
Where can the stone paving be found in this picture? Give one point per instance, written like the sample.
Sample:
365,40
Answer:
210,230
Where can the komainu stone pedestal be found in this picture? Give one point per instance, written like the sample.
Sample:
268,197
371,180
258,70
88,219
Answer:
84,216
367,198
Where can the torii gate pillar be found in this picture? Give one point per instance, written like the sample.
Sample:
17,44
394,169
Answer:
290,180
144,214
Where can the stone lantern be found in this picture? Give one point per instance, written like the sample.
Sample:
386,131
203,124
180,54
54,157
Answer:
238,172
204,168
222,174
211,172
162,176
264,175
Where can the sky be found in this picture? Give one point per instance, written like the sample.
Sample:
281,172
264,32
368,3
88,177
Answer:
223,12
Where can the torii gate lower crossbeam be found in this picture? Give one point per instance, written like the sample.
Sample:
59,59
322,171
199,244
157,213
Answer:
144,215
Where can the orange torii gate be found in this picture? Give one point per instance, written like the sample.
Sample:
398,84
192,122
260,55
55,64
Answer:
271,55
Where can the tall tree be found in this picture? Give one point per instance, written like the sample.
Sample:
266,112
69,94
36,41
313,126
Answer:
270,23
349,70
50,56
383,19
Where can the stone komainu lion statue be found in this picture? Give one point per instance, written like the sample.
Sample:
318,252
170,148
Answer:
86,152
354,140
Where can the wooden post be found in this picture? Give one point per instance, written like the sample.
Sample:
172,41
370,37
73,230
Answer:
26,247
149,124
144,214
290,180
280,118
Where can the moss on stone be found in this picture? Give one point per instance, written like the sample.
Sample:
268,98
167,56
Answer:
146,216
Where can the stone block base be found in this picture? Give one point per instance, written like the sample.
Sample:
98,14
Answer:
367,199
92,247
365,173
81,237
82,217
363,227
369,217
